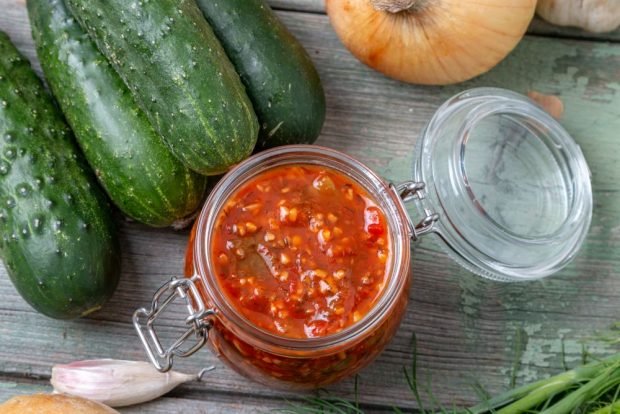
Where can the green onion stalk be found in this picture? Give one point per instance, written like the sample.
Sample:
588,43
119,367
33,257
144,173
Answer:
581,385
592,388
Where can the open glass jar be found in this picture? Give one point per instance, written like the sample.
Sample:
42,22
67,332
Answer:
498,181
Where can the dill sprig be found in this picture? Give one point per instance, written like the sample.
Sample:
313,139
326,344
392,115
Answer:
590,388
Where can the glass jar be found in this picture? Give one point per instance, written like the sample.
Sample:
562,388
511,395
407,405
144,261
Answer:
511,186
497,180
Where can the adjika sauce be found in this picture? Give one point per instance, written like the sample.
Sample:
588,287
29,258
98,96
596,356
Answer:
301,251
299,266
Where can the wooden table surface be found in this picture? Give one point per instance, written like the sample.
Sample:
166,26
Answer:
469,330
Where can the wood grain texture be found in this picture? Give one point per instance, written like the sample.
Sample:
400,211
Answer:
212,403
543,28
201,401
466,327
537,27
313,6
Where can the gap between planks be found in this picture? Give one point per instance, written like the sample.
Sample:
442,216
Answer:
364,113
538,27
183,398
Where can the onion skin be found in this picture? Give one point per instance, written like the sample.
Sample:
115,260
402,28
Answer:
434,42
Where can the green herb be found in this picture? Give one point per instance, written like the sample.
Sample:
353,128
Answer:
591,388
535,396
319,405
612,336
520,341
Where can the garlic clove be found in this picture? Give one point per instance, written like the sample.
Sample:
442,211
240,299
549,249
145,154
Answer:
116,383
592,15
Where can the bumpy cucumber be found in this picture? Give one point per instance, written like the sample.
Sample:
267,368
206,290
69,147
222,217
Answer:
179,74
133,164
58,241
280,78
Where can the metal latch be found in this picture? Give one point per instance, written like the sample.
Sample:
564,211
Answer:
412,190
197,322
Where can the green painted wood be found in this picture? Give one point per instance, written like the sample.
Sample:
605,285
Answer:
538,26
466,327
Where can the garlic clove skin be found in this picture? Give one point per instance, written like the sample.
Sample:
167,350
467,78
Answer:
550,103
115,383
592,15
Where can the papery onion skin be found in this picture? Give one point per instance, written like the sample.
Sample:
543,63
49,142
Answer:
435,42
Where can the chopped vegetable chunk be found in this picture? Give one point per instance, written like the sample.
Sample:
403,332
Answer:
301,251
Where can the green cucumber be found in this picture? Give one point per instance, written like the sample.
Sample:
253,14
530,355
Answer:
280,78
57,237
180,76
133,164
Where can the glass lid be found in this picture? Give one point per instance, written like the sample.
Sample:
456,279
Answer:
511,187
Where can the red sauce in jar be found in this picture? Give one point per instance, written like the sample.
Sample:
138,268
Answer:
301,251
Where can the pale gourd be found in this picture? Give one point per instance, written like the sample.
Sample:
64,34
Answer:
591,15
430,41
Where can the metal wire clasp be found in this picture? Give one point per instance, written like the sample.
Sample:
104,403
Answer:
197,322
412,190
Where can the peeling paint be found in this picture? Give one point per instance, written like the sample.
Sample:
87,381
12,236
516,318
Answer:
543,356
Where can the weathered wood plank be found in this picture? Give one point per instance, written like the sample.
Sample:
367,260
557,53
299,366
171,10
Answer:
196,401
541,27
209,403
465,325
537,27
314,6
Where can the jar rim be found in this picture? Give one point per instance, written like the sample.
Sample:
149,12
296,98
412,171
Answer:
467,233
354,169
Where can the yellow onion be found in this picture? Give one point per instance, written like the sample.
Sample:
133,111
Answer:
432,42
